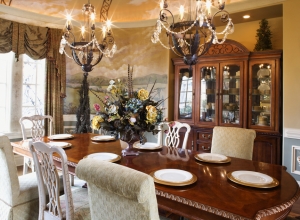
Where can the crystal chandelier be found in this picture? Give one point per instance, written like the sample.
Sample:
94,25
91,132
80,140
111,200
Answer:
87,53
191,35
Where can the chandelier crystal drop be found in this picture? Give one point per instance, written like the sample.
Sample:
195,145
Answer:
190,34
88,52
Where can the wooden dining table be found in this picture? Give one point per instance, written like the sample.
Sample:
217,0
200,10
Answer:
212,196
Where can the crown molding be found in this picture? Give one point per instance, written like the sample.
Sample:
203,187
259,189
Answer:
23,16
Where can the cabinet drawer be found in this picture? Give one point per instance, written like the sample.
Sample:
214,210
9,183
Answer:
203,146
204,136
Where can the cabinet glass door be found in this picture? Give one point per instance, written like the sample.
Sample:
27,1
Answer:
185,102
230,102
208,94
261,94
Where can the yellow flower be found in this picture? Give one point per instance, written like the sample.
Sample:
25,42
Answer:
143,94
112,89
96,122
151,114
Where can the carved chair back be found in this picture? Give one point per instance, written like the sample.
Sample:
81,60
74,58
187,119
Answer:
38,127
48,179
171,131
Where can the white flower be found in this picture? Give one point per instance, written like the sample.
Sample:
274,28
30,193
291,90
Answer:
112,109
111,82
111,87
133,119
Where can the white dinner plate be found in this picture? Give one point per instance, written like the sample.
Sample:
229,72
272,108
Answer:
60,144
60,136
146,146
103,138
173,175
110,157
209,157
252,177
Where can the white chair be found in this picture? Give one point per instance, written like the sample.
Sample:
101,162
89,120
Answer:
37,133
118,192
73,204
233,142
19,197
171,131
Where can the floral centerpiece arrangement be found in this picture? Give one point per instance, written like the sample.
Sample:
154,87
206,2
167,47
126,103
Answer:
126,112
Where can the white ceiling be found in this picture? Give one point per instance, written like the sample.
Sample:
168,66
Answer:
124,12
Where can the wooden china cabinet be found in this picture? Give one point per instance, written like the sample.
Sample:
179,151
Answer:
231,86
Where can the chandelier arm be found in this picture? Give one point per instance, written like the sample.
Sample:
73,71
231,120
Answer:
176,45
163,17
76,58
98,60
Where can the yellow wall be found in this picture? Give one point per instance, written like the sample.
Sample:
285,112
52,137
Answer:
291,64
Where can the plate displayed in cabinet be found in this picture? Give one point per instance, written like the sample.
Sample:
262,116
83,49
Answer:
263,73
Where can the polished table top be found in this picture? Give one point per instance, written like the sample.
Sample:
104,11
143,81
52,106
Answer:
212,193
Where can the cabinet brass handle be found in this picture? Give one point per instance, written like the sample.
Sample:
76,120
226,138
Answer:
206,148
206,137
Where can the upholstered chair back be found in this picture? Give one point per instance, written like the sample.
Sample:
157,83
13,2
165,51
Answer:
19,197
169,134
118,192
9,184
234,142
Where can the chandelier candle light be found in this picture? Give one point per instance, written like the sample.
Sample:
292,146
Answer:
87,53
193,32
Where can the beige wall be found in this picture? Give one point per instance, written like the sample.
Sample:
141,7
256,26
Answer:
245,33
291,64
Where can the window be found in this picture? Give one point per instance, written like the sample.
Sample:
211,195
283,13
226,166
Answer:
22,89
6,60
33,87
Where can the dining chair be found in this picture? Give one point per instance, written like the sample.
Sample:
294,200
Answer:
19,197
73,204
169,133
37,133
233,142
118,192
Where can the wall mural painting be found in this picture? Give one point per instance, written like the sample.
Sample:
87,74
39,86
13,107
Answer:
150,63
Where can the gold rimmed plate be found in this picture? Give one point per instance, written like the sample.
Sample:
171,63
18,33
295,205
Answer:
269,184
103,156
212,158
60,144
186,179
60,136
103,138
146,146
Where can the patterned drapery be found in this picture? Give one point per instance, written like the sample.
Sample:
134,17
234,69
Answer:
55,81
39,43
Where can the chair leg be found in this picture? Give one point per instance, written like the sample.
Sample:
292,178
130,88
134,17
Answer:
25,165
28,163
72,179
